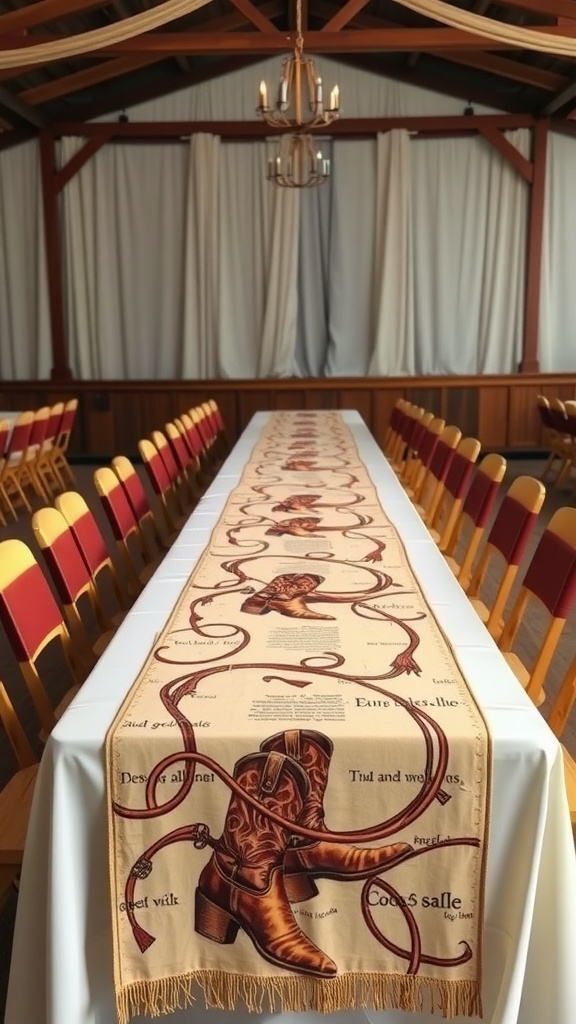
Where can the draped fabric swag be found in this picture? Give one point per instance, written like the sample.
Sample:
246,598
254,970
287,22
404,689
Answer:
180,259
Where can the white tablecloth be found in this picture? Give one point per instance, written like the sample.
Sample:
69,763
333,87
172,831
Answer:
62,962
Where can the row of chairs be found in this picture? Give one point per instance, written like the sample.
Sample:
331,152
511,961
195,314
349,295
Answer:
558,421
33,456
86,593
435,465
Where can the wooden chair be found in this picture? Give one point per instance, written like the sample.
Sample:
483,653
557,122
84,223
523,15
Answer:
557,719
560,438
73,582
432,487
391,432
551,581
32,621
152,536
549,433
94,551
196,446
176,477
48,471
184,460
425,451
197,416
569,446
15,797
505,546
456,483
412,417
125,528
161,485
29,475
473,520
220,428
58,457
11,484
4,500
407,469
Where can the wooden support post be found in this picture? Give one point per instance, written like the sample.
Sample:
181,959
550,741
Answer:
60,369
530,362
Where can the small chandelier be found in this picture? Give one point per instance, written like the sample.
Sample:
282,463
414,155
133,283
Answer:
299,105
295,161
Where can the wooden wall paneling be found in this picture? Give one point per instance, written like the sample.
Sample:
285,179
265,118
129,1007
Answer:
462,409
352,398
250,402
290,399
493,417
429,398
99,424
523,421
325,398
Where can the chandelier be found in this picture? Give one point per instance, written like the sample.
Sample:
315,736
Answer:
295,161
298,108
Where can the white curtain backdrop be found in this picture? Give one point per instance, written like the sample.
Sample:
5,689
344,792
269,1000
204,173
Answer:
470,213
25,348
124,253
182,261
393,289
558,294
198,353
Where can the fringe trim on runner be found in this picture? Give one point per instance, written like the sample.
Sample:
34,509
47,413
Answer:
224,991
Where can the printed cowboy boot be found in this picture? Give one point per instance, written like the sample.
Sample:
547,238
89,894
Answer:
286,594
242,886
306,860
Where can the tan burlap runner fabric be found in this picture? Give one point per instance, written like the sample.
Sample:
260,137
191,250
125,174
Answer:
298,781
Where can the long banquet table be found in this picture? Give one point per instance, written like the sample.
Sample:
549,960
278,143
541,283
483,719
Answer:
62,963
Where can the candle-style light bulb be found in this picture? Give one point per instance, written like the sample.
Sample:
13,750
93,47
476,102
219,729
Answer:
263,95
335,98
319,90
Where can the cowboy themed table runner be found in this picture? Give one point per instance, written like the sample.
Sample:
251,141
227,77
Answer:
298,780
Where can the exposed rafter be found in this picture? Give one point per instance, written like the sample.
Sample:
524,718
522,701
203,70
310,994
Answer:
381,35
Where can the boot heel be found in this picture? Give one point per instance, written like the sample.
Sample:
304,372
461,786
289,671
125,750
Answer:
255,607
212,922
299,888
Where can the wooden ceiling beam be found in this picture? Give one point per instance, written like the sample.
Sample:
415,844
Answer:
254,15
103,72
561,99
515,70
44,11
22,109
344,16
503,67
553,8
343,127
388,40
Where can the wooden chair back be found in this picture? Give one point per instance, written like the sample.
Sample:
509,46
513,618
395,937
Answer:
31,626
16,796
161,483
91,544
456,484
550,580
506,544
123,523
433,485
70,575
140,505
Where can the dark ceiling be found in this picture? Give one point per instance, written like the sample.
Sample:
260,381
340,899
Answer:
380,35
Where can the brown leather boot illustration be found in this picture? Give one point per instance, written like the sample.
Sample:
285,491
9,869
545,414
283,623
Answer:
306,860
286,594
242,886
